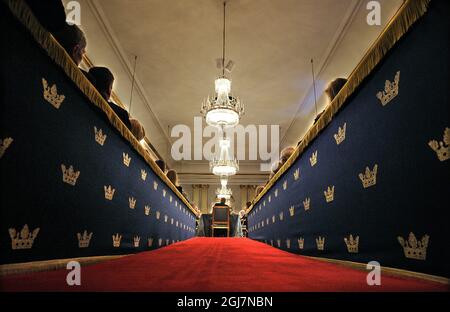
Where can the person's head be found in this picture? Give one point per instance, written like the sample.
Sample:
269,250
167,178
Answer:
73,40
334,87
258,190
276,166
104,81
161,164
222,201
173,176
286,153
137,129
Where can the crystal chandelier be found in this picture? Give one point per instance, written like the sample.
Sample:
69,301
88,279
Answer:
224,165
223,109
223,191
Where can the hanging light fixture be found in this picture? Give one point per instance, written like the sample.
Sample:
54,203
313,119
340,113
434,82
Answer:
223,109
223,191
224,165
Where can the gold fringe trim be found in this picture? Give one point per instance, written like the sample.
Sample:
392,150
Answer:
57,53
50,265
386,270
406,16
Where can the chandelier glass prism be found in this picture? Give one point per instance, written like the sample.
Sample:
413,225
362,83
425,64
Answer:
224,165
223,191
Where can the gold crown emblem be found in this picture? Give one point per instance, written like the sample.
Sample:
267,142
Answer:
171,220
285,185
267,221
70,176
149,242
270,198
4,144
281,215
51,94
116,240
160,241
158,214
155,185
329,194
23,239
109,192
99,136
132,202
441,148
352,243
320,242
413,248
276,193
369,178
262,224
136,241
291,211
84,239
306,203
390,90
143,174
164,193
273,219
176,224
279,243
313,159
264,204
126,159
301,242
297,174
170,198
340,136
288,243
166,218
147,210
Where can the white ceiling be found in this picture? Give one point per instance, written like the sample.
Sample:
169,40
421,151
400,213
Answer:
270,41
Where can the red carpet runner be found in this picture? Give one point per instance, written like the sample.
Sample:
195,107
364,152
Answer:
214,264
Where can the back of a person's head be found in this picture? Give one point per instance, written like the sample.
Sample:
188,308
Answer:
276,166
104,80
73,40
259,188
286,153
137,129
173,176
334,87
161,164
222,201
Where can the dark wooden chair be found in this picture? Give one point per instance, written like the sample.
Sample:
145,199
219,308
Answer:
220,219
